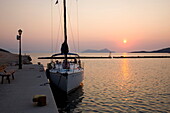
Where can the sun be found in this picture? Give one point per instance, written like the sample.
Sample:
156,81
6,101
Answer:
124,41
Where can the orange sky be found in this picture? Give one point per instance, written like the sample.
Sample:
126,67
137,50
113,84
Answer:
145,24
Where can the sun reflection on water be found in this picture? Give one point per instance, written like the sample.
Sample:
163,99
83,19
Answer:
125,69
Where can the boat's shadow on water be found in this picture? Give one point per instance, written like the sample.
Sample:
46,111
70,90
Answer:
66,103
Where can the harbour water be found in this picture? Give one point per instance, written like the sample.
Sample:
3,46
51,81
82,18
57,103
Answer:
119,85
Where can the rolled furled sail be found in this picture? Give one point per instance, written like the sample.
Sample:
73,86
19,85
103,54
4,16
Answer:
64,48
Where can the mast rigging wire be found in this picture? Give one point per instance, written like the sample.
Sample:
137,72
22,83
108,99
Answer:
52,26
78,35
60,26
70,27
76,29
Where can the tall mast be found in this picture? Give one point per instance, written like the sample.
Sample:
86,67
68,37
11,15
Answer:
64,47
65,21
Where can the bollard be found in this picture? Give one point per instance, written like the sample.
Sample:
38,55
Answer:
40,100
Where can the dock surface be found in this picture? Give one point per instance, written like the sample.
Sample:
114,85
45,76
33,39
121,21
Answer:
17,96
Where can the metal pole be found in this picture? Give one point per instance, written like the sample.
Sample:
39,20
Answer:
20,57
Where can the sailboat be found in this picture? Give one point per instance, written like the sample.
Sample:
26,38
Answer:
66,74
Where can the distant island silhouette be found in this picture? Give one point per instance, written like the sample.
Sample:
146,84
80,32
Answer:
98,51
164,50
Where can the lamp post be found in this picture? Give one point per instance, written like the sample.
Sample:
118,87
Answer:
20,57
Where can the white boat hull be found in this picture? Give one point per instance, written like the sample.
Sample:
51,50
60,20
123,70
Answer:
67,82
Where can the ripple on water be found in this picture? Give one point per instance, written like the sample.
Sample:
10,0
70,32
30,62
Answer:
133,86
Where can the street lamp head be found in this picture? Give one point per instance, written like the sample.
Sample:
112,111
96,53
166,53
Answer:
20,32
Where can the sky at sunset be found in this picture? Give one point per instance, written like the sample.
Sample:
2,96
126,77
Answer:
119,25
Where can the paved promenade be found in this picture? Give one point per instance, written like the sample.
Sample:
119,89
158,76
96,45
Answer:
16,97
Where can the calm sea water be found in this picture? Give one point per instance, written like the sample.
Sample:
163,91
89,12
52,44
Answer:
120,85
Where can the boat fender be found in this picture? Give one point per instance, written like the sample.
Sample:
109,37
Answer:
49,66
48,73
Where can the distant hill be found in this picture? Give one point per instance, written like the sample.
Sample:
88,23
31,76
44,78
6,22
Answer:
97,51
164,50
4,50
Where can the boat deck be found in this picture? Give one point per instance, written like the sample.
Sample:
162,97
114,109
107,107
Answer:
74,68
